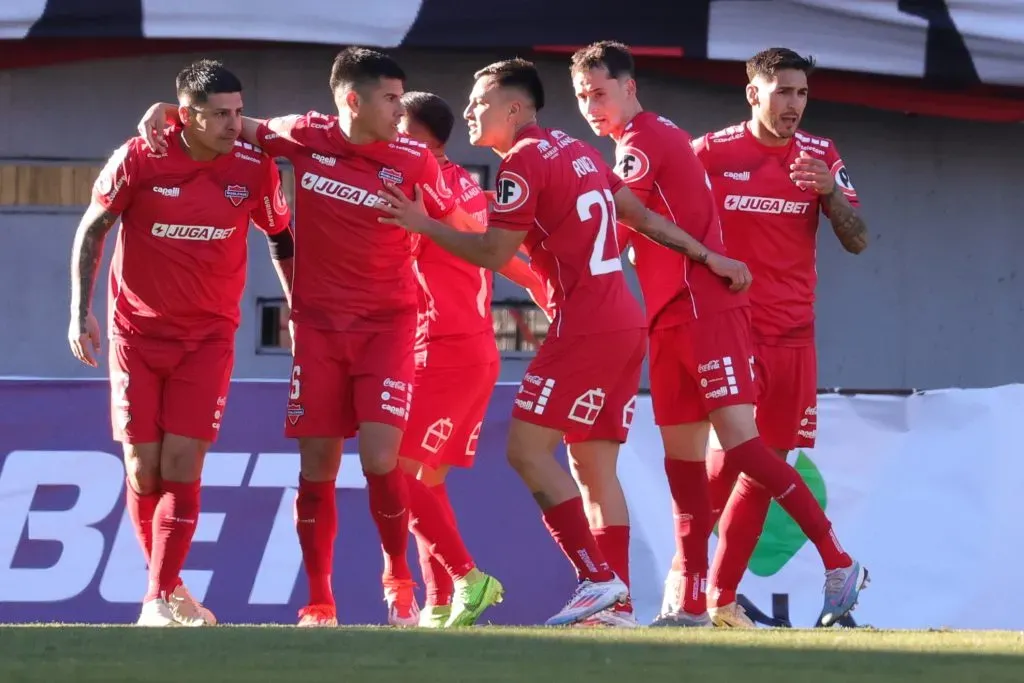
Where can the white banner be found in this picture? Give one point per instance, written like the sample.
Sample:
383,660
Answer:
926,491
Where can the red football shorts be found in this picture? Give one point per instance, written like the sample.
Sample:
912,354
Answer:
584,385
702,366
447,413
341,379
787,395
162,387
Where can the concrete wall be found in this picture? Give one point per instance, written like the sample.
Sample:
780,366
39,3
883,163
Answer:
935,302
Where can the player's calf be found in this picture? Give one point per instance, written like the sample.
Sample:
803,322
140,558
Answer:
316,524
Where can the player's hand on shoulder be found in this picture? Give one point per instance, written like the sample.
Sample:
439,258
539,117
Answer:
151,126
403,211
84,338
809,172
736,272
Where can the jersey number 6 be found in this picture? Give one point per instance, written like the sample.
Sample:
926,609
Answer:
585,208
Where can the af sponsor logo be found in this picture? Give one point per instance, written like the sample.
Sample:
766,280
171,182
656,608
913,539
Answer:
396,397
195,233
169,192
738,176
534,393
335,189
632,164
511,192
110,181
87,563
236,194
769,205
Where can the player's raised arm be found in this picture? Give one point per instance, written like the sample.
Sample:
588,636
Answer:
838,198
490,249
650,224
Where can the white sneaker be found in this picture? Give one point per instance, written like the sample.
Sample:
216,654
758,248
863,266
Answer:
156,613
611,617
187,610
590,598
403,610
730,616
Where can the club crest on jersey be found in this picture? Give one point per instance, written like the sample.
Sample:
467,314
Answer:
511,192
390,175
632,165
236,194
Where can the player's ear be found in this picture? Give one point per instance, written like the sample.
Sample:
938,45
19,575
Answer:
753,96
631,87
352,99
185,114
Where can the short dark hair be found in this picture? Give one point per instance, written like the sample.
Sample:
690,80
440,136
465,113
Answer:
612,55
199,80
355,66
432,112
769,62
516,73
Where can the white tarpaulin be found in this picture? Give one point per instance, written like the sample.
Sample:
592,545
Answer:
925,490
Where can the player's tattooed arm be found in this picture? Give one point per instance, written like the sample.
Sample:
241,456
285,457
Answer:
86,253
655,227
846,222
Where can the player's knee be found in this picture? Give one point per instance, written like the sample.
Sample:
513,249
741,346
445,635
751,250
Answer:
410,466
378,447
319,459
734,425
142,467
181,458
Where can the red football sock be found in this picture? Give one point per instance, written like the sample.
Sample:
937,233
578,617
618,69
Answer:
783,483
141,509
441,590
174,524
316,522
389,505
429,520
688,483
567,524
721,480
614,544
738,533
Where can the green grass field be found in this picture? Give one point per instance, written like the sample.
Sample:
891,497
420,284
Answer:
55,654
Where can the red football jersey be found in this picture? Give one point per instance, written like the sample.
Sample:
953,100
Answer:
770,223
455,322
351,272
178,269
653,157
561,193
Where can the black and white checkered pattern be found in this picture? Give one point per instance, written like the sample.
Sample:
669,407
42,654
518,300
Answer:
948,42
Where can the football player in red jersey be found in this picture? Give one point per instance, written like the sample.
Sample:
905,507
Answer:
770,181
702,353
457,363
556,197
176,280
354,305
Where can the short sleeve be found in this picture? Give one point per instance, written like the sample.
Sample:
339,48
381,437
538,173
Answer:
272,214
636,159
283,135
838,169
701,148
516,190
116,183
438,198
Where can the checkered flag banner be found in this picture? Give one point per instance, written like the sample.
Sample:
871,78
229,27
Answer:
948,42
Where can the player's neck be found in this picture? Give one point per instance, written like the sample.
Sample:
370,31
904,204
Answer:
502,149
765,136
630,112
196,151
352,132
